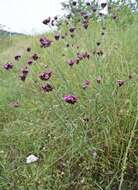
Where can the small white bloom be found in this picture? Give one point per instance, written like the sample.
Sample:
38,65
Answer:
31,158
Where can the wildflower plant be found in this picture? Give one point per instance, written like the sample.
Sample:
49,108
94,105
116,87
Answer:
69,102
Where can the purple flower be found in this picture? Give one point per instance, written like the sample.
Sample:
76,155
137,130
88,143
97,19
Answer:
46,75
17,57
55,17
24,73
72,29
22,77
86,55
85,25
52,22
88,3
45,42
30,62
46,21
99,52
8,66
98,43
120,82
57,37
83,55
71,62
86,84
99,79
103,5
28,49
77,60
74,3
47,87
70,99
68,16
79,56
35,57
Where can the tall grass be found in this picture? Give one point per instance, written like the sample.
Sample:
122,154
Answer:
90,145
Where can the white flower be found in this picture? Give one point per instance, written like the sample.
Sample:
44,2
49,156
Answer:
31,158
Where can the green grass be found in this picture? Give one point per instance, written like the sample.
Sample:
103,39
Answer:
91,145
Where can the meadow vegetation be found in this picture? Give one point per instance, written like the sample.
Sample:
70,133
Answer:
74,106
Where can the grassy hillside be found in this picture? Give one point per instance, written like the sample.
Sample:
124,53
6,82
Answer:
88,145
4,33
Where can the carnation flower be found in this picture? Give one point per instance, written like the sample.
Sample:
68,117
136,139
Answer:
74,3
72,29
120,82
47,87
35,57
70,99
24,73
99,79
45,75
45,42
17,57
28,49
46,21
30,62
86,84
57,37
71,62
8,66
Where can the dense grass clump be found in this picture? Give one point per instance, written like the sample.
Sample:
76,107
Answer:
70,99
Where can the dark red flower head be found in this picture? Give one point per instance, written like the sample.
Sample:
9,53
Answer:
55,17
74,3
28,49
71,62
52,22
30,62
8,66
99,79
57,36
35,57
45,42
47,20
103,5
98,43
86,84
45,75
70,99
85,25
24,73
120,82
47,87
17,57
72,29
